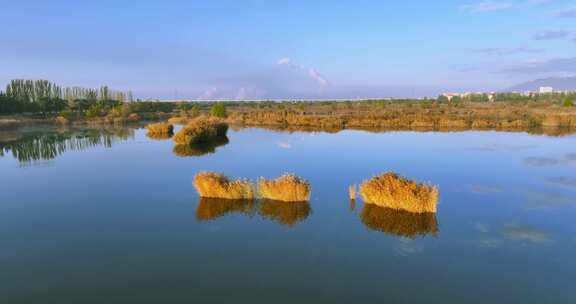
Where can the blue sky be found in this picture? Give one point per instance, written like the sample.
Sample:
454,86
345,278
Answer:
279,49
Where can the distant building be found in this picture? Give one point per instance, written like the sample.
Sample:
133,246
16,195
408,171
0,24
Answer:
545,90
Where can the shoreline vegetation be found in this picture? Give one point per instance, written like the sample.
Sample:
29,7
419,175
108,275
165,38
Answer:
41,101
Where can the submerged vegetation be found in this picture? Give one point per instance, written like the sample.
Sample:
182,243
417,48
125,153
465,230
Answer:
393,191
160,130
215,185
399,222
286,188
201,130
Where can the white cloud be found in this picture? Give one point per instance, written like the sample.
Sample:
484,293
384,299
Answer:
494,6
208,94
486,6
312,72
319,78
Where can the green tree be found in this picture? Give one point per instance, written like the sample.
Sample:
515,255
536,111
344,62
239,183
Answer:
568,102
218,110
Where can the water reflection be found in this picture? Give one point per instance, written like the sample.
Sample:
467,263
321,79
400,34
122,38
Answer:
29,147
213,208
200,149
283,213
159,136
398,222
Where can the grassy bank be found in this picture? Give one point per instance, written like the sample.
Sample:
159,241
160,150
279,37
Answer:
428,115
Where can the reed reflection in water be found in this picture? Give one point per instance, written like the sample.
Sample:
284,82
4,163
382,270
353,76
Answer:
399,222
284,213
213,208
185,150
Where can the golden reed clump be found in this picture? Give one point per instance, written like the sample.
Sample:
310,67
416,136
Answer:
399,222
393,191
286,188
201,130
215,185
160,130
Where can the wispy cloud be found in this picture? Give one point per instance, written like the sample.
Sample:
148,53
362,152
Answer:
507,51
312,72
208,94
494,6
556,65
486,6
563,181
554,35
565,13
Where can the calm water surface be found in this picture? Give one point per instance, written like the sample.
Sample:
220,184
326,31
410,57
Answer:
90,216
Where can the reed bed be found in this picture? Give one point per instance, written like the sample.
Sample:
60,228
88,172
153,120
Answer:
396,192
215,185
286,188
160,129
213,208
352,192
201,130
399,222
283,213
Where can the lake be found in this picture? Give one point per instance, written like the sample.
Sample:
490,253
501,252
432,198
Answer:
111,216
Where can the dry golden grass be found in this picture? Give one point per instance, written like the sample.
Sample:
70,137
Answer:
399,222
286,188
409,115
215,185
160,130
352,192
393,191
283,213
201,130
213,208
178,120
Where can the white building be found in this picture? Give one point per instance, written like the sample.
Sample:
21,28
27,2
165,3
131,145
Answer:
544,90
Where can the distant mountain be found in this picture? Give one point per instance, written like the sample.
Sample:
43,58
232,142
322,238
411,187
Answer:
558,83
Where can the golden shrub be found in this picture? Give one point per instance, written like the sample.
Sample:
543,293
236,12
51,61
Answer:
287,188
215,185
160,130
201,130
393,191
